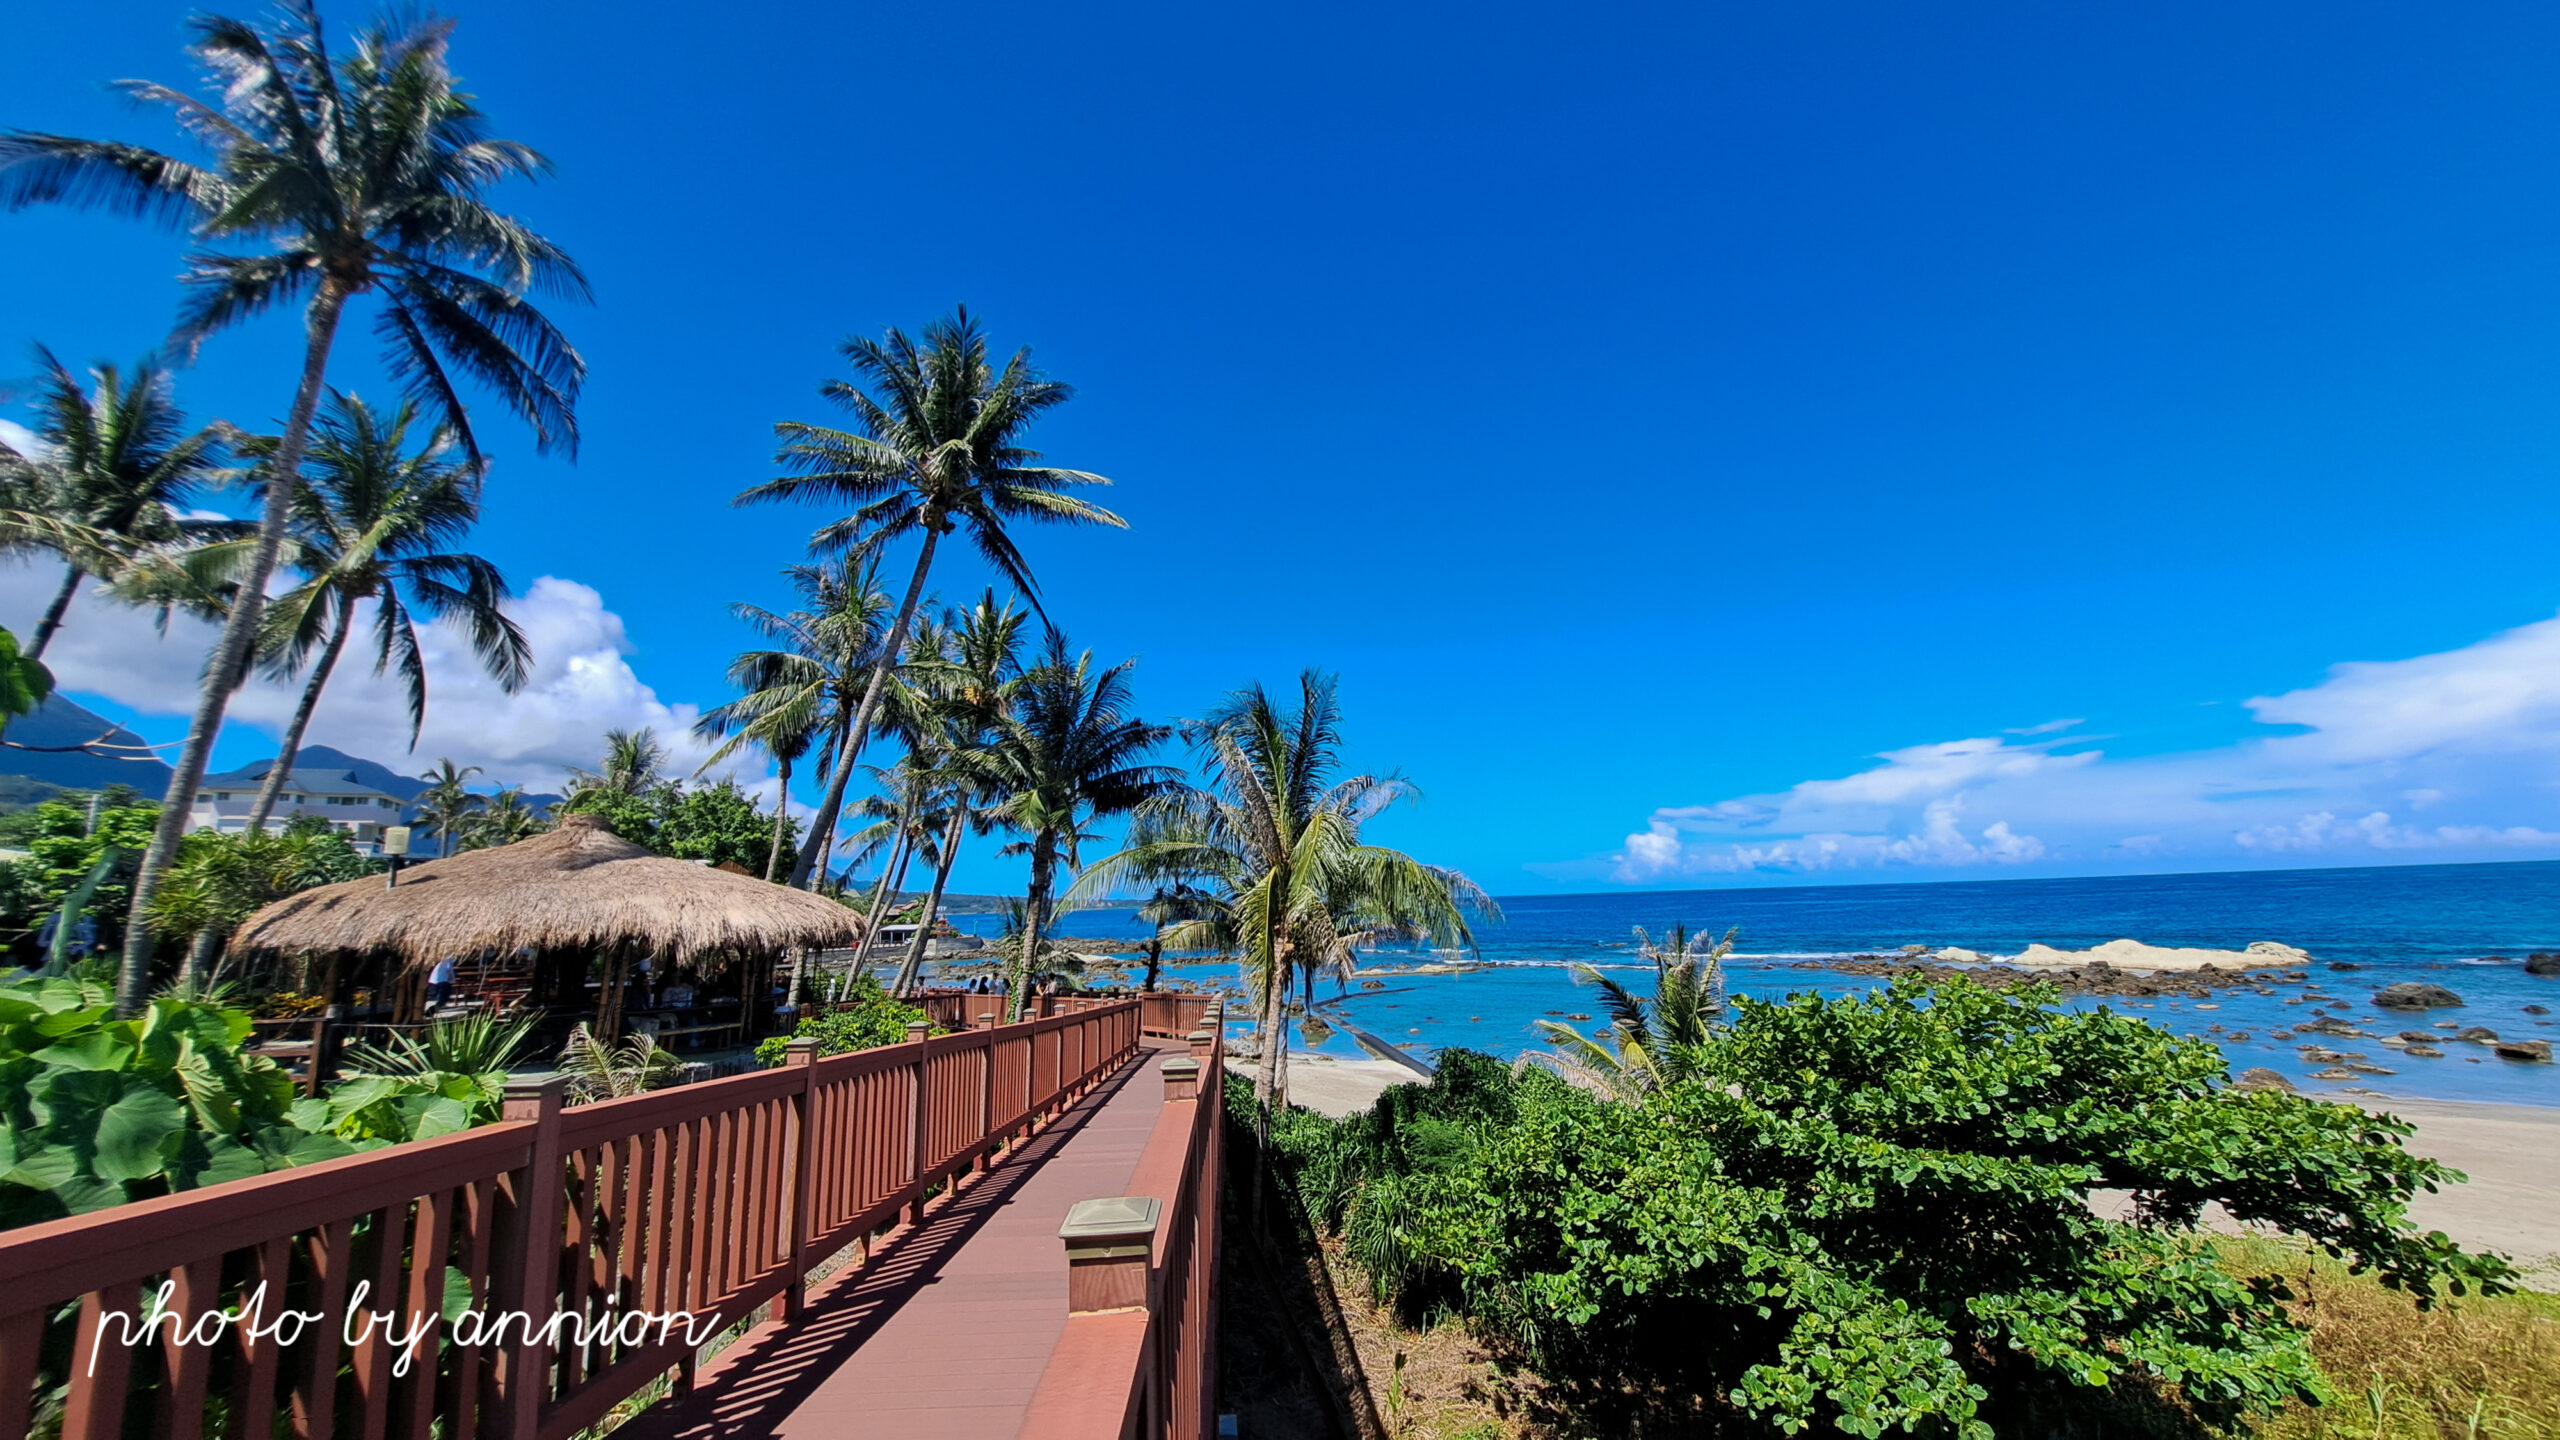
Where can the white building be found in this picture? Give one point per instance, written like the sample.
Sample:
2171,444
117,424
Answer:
337,796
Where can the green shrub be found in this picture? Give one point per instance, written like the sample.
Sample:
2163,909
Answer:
869,1020
96,1111
99,1111
1874,1214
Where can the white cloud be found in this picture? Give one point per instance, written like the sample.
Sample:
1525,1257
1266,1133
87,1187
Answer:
581,686
2470,736
19,438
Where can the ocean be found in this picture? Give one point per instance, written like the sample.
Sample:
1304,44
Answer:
2465,927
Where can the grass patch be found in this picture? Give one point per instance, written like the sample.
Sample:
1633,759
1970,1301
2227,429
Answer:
2468,1368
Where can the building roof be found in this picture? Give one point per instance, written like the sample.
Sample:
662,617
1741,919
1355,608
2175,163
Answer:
580,887
308,782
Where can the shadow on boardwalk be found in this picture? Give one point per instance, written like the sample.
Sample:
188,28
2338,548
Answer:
777,1372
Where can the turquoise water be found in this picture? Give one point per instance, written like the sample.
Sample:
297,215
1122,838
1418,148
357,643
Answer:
2437,923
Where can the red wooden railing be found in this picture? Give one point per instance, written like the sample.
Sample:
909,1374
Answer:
1150,1372
713,1198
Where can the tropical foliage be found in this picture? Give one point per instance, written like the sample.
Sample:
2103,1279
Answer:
1880,1210
1651,1044
375,523
600,1071
803,688
1069,753
446,807
64,851
1272,848
117,473
937,446
865,1019
328,177
97,1110
221,880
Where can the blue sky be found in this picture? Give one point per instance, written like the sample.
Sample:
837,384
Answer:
1651,413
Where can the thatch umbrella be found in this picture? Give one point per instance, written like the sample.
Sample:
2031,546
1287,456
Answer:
579,888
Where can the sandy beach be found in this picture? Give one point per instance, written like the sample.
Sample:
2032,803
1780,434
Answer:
2510,1152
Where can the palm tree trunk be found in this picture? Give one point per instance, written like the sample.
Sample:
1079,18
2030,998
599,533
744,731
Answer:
1035,914
880,895
199,971
290,745
823,841
781,822
914,962
822,829
230,660
53,613
1271,1083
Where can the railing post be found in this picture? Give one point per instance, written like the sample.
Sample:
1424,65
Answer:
531,1257
916,1033
986,1101
1181,1080
802,1054
1110,1249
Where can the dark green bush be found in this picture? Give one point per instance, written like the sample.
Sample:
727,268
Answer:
871,1019
1875,1214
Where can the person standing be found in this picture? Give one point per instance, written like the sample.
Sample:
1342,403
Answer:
439,984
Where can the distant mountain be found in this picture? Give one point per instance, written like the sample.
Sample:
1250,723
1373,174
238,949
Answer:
369,772
48,759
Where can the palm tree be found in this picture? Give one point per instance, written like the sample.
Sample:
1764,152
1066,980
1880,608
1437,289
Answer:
807,687
937,448
1647,1050
1069,754
329,177
635,762
374,522
119,468
1274,838
446,806
968,688
503,818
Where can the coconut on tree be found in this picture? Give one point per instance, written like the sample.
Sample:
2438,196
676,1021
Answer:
327,179
936,448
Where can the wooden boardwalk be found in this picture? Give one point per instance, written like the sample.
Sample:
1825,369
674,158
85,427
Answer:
947,1330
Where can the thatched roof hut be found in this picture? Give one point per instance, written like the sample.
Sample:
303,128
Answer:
579,888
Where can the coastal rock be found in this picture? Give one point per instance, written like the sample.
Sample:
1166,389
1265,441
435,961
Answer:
2425,1052
2333,1074
1958,955
2417,1037
2259,1077
2135,955
2371,1070
2535,1051
2546,962
2415,995
2344,965
2537,1009
2479,1035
